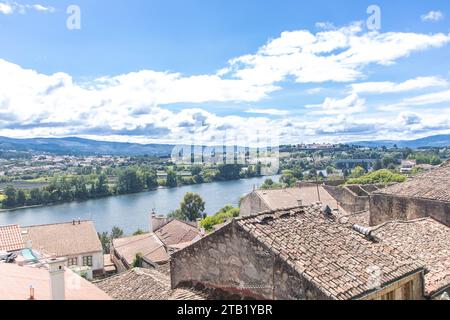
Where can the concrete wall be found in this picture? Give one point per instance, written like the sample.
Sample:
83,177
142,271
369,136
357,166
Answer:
232,261
385,208
252,204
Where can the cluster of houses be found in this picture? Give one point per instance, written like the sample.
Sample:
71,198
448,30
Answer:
312,242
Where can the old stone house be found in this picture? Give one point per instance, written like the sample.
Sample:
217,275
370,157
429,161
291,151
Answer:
303,253
425,195
303,194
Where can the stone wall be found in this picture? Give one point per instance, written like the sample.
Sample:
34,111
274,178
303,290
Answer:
385,208
348,200
252,204
232,261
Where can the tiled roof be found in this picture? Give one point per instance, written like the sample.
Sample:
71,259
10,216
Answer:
15,283
338,260
176,232
148,245
434,185
289,198
11,238
64,239
145,284
428,242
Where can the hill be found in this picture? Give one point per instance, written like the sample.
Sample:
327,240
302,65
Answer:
437,141
78,146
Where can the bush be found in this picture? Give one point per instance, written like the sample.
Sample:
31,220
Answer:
378,177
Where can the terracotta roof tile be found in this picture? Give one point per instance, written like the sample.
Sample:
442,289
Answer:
176,232
330,254
145,284
11,238
64,239
428,242
434,185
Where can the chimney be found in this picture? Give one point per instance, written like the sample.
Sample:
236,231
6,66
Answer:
31,296
57,281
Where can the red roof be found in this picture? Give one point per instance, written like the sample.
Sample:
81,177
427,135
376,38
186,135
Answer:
11,238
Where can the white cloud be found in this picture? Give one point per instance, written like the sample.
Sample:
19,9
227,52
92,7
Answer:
271,112
337,55
421,100
6,8
432,16
131,106
392,87
331,106
12,7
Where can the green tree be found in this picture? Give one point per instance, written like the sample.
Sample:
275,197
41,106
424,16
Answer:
10,200
21,198
139,232
171,180
358,172
191,208
101,186
116,233
105,240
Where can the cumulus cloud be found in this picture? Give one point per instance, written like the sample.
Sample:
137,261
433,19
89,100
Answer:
336,55
133,106
420,100
332,106
432,16
392,87
13,7
271,112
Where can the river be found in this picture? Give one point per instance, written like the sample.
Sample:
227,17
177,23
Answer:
130,212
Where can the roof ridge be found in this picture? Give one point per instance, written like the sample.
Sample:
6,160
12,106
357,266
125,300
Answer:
56,224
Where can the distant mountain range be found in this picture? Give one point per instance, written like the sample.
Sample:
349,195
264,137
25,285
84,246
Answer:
78,146
438,141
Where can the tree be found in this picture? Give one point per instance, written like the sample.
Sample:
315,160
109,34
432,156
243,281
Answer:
139,232
137,262
21,198
105,240
191,208
101,187
10,200
129,182
229,171
358,172
116,233
171,180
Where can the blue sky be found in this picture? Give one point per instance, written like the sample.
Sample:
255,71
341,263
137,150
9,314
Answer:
161,71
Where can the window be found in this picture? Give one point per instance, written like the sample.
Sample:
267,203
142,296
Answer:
87,261
407,291
72,262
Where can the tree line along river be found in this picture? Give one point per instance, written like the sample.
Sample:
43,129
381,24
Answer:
130,212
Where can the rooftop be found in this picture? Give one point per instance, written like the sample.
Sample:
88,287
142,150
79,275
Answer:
16,282
155,247
428,242
64,239
145,284
148,245
433,185
175,232
333,256
11,238
289,198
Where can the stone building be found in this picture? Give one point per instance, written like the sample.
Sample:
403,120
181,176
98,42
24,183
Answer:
425,195
303,194
303,253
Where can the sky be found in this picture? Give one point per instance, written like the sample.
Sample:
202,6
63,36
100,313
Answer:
240,71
